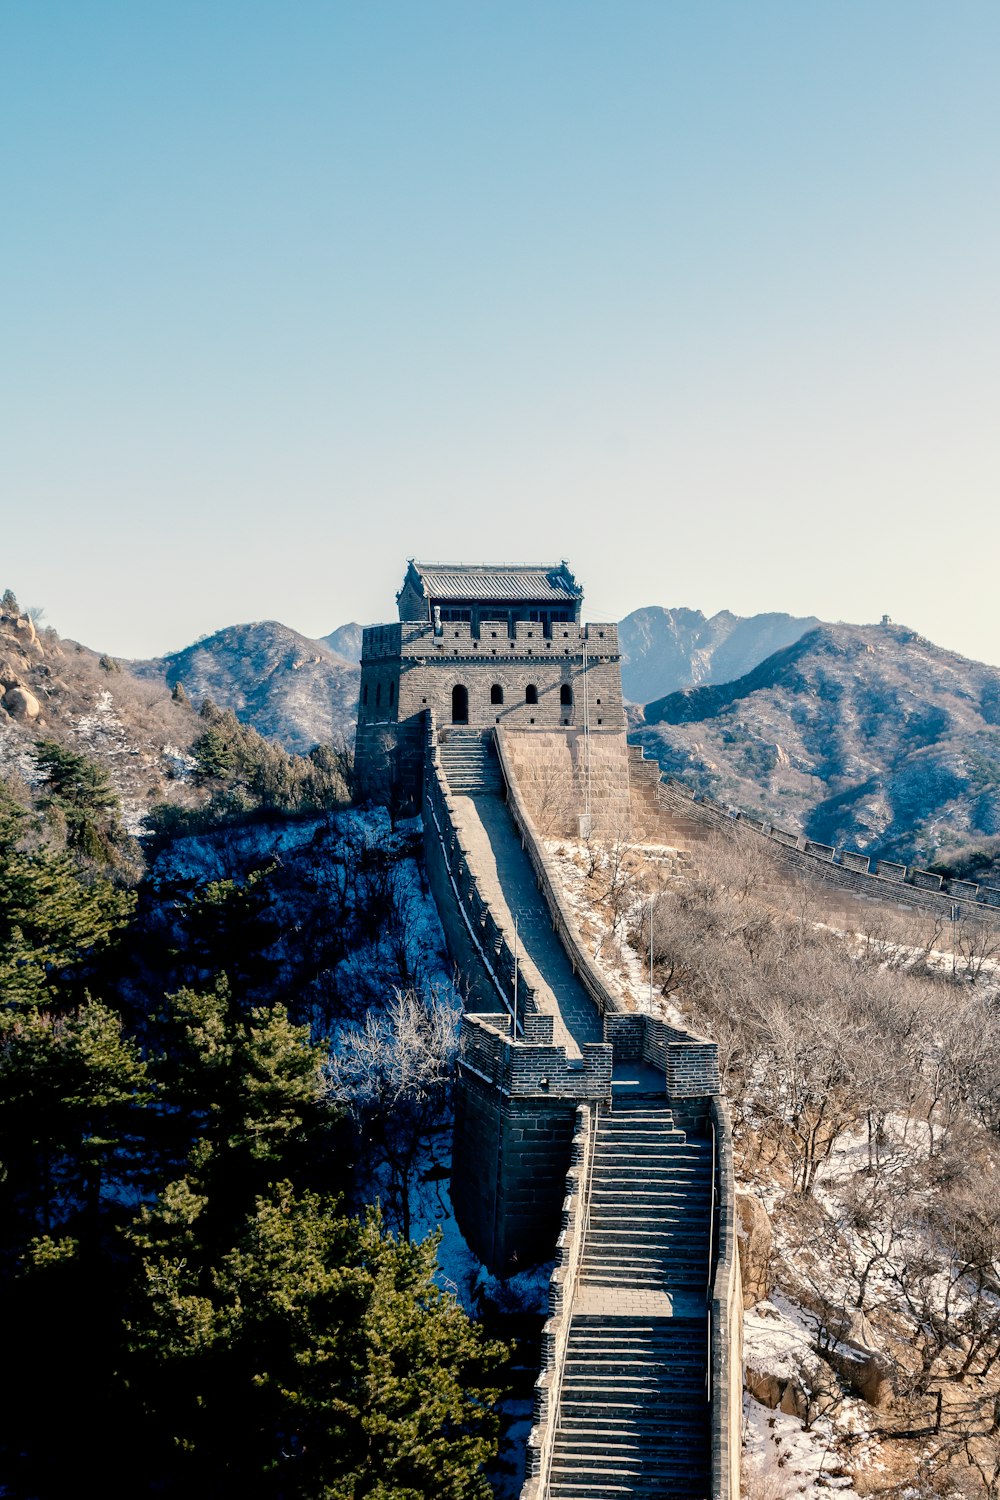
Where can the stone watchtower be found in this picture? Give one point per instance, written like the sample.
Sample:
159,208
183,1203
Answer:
480,645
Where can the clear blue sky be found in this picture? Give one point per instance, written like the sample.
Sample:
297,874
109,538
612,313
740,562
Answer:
702,296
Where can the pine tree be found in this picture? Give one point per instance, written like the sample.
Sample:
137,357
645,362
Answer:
51,922
81,796
315,1356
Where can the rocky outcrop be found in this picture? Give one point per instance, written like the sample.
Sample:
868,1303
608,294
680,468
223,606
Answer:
753,1228
21,704
867,1375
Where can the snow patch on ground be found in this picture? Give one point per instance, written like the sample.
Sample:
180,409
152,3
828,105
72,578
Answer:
16,757
623,968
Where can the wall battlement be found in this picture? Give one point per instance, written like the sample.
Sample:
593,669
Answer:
532,1065
862,874
419,639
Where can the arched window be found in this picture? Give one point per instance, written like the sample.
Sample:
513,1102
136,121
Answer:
459,704
531,693
364,695
566,695
496,693
392,693
378,694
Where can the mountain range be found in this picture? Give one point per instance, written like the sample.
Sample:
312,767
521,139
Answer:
868,736
302,692
863,735
664,650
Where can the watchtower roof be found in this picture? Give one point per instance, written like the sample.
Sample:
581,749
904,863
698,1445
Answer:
525,583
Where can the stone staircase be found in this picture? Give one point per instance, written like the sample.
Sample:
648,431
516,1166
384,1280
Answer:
469,761
650,1204
633,1418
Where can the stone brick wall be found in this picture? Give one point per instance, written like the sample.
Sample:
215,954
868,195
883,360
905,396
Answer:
515,1106
562,773
898,884
726,1320
690,1064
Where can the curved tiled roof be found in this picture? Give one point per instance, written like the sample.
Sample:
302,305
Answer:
536,583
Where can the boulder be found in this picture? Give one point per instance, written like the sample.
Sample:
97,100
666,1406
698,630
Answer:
763,1387
10,673
777,1391
753,1229
21,704
24,629
868,1375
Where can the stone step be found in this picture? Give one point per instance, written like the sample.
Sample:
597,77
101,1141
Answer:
674,1153
635,1278
574,1447
651,1232
633,1418
636,1425
618,1214
621,1251
579,1484
640,1258
584,1385
666,1182
667,1368
663,1197
632,1352
658,1168
666,1460
663,1190
606,1342
658,1433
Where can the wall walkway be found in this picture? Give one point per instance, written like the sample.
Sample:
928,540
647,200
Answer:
645,1293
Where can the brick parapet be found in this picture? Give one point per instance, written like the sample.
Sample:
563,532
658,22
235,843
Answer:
725,1319
562,1288
690,1064
529,1067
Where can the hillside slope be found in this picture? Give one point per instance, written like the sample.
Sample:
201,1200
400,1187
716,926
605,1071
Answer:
665,650
863,735
288,687
58,690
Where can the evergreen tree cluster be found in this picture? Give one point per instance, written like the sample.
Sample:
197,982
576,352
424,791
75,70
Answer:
81,806
187,1307
245,773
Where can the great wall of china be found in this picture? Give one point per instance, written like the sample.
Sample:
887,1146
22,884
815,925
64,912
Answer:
582,1130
